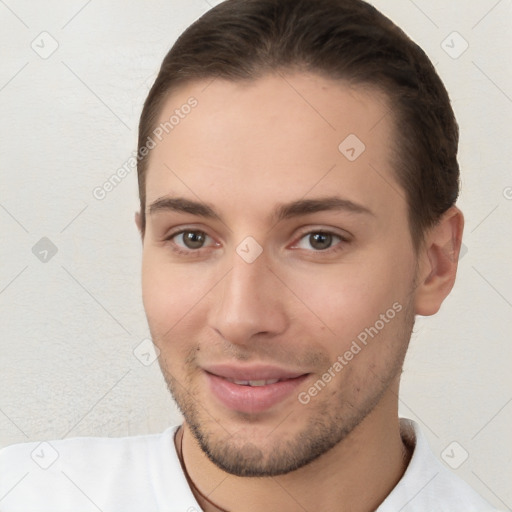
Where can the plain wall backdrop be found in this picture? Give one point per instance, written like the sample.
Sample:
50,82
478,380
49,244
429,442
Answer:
73,78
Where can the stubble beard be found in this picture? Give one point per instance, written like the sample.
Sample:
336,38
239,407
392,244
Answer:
327,425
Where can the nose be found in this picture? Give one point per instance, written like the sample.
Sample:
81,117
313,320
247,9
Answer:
248,302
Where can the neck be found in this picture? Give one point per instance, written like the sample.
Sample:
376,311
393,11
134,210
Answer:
356,475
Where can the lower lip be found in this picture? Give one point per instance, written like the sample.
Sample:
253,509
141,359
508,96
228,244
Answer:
251,399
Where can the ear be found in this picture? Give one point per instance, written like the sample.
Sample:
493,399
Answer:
138,222
438,261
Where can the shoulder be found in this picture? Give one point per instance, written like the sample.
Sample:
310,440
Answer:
78,451
428,485
89,471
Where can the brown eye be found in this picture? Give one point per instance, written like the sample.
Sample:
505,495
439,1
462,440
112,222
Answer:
320,241
193,239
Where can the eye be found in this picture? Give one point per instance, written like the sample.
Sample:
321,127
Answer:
319,240
190,240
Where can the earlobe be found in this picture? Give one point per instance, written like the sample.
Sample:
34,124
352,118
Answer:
438,262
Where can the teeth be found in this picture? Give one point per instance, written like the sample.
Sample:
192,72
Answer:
255,382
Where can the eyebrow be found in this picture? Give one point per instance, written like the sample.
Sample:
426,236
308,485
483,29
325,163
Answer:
307,206
182,205
281,212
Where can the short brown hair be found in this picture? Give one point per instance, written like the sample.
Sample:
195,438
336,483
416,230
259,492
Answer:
339,39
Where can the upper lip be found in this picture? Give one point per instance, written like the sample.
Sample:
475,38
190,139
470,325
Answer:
252,372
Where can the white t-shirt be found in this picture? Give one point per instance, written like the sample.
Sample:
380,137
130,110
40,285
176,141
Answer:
143,474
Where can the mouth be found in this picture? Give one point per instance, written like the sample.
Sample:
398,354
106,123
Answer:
252,390
255,383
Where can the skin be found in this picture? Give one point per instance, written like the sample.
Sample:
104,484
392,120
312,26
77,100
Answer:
246,148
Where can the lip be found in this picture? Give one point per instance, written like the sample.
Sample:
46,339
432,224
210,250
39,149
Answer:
252,372
251,399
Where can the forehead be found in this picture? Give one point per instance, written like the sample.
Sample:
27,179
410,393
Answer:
277,137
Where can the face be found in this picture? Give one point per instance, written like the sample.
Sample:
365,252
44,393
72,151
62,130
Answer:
278,267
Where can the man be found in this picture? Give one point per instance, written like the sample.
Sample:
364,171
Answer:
298,177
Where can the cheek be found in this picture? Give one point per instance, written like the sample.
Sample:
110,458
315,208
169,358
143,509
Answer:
170,293
351,298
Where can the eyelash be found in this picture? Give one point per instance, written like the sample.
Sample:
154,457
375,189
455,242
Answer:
336,247
177,249
197,252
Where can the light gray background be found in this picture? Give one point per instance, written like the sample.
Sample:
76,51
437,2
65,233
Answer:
69,325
